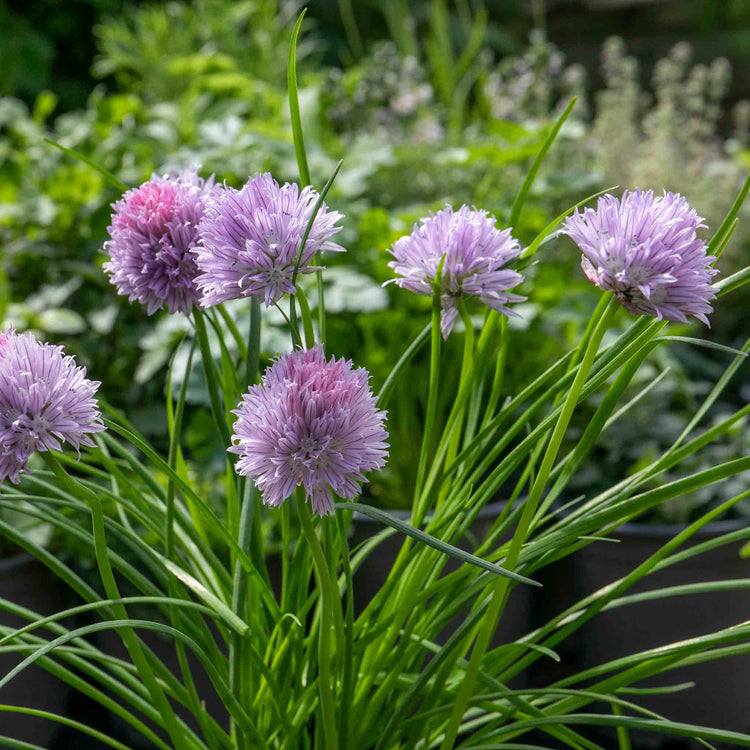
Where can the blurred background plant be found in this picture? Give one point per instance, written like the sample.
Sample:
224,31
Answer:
427,102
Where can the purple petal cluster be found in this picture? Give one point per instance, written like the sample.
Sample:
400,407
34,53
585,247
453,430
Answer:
644,248
250,240
151,238
475,254
310,422
45,400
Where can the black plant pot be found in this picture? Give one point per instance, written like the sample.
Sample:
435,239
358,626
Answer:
27,583
522,614
90,713
721,696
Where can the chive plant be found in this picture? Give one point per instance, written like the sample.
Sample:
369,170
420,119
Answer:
292,662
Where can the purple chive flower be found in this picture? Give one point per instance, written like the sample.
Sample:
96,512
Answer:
644,248
45,400
250,240
152,234
475,255
310,422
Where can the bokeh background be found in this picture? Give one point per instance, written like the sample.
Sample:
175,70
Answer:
428,102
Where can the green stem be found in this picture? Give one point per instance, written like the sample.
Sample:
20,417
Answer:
237,643
217,407
232,327
432,398
497,603
350,28
497,380
321,302
238,654
323,575
299,140
469,372
253,343
307,324
128,636
346,688
176,615
466,371
623,737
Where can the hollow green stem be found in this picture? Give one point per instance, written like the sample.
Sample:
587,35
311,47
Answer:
353,39
321,302
499,595
212,381
432,397
307,323
237,643
466,370
238,652
497,379
325,587
253,343
175,613
128,636
346,687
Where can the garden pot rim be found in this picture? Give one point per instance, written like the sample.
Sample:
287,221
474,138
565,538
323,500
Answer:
633,530
488,511
630,529
9,563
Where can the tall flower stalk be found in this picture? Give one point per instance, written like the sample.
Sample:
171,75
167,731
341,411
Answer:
101,551
293,664
500,592
327,598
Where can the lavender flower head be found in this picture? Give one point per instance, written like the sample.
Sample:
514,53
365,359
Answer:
45,400
475,255
310,422
250,240
644,248
151,238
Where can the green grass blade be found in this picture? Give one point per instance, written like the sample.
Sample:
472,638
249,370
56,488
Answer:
733,739
726,225
311,220
666,690
396,372
81,608
537,241
221,609
520,200
215,523
704,343
212,379
217,680
733,282
82,728
299,140
722,246
431,541
108,176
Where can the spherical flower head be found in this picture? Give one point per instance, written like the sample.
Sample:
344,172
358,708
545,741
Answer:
644,248
475,253
251,238
45,400
153,232
311,422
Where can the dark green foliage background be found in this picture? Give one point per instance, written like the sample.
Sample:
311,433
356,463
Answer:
143,86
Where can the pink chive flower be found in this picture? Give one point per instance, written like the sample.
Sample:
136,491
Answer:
476,253
45,400
310,422
644,248
151,238
251,238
